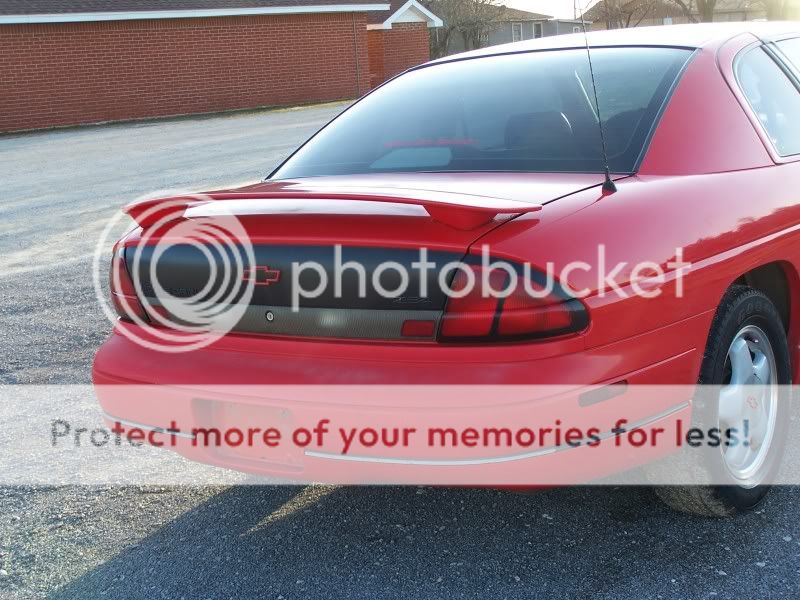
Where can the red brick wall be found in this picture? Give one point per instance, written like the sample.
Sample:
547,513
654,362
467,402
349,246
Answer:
392,51
71,73
405,45
375,45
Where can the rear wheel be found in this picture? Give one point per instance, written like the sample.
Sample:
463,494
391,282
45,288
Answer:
747,346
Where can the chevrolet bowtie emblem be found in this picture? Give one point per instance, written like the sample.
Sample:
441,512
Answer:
262,275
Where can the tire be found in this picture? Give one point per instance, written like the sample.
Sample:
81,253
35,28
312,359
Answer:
745,315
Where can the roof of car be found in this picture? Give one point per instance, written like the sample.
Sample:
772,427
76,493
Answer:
686,36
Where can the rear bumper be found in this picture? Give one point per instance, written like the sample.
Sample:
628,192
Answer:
545,467
224,385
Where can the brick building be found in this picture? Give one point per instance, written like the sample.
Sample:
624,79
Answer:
66,62
398,37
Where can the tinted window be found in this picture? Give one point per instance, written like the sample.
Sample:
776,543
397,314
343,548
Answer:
526,112
774,99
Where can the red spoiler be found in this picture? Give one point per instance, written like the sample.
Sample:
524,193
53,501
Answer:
461,211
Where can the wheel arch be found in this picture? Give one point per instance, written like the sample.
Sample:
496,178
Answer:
780,282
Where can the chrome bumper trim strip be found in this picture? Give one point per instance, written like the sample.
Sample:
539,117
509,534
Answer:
143,426
485,461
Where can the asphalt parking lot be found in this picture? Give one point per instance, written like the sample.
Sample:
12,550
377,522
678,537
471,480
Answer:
57,191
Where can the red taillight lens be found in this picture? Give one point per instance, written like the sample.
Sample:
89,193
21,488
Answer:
471,315
414,328
524,315
520,315
123,292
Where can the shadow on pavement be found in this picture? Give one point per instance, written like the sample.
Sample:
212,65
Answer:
248,542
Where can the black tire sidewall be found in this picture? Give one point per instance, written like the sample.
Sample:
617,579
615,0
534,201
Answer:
743,306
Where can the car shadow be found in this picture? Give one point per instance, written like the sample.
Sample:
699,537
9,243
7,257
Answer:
254,541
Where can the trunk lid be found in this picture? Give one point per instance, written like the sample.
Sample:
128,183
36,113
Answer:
329,222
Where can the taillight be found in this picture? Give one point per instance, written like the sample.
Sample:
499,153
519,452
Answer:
415,328
528,312
123,292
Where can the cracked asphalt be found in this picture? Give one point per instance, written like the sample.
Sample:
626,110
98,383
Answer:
57,191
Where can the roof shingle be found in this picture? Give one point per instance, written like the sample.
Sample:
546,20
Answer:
379,16
43,7
514,14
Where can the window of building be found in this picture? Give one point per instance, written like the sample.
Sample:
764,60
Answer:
576,29
537,30
516,32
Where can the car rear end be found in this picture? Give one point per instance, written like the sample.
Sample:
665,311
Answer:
355,264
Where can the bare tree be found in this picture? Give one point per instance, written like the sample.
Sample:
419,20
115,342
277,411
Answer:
776,9
620,14
473,20
447,10
703,10
479,20
691,9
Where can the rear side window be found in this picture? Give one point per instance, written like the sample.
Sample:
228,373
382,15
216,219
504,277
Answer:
791,48
531,112
773,97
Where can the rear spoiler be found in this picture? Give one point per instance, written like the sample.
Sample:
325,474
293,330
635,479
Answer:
461,211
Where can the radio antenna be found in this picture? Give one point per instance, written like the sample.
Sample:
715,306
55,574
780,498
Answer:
608,185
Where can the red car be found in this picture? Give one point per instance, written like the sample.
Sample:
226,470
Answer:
673,147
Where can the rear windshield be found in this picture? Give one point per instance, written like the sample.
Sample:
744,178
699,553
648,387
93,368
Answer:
531,112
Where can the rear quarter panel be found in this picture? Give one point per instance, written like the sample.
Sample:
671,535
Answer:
707,185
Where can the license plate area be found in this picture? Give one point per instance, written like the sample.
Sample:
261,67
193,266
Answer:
245,433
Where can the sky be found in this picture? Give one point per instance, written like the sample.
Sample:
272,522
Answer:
557,8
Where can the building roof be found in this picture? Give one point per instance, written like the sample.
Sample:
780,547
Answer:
382,15
514,14
44,11
38,7
401,11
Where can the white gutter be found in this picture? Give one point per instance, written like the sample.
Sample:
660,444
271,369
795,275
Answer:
433,20
186,14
